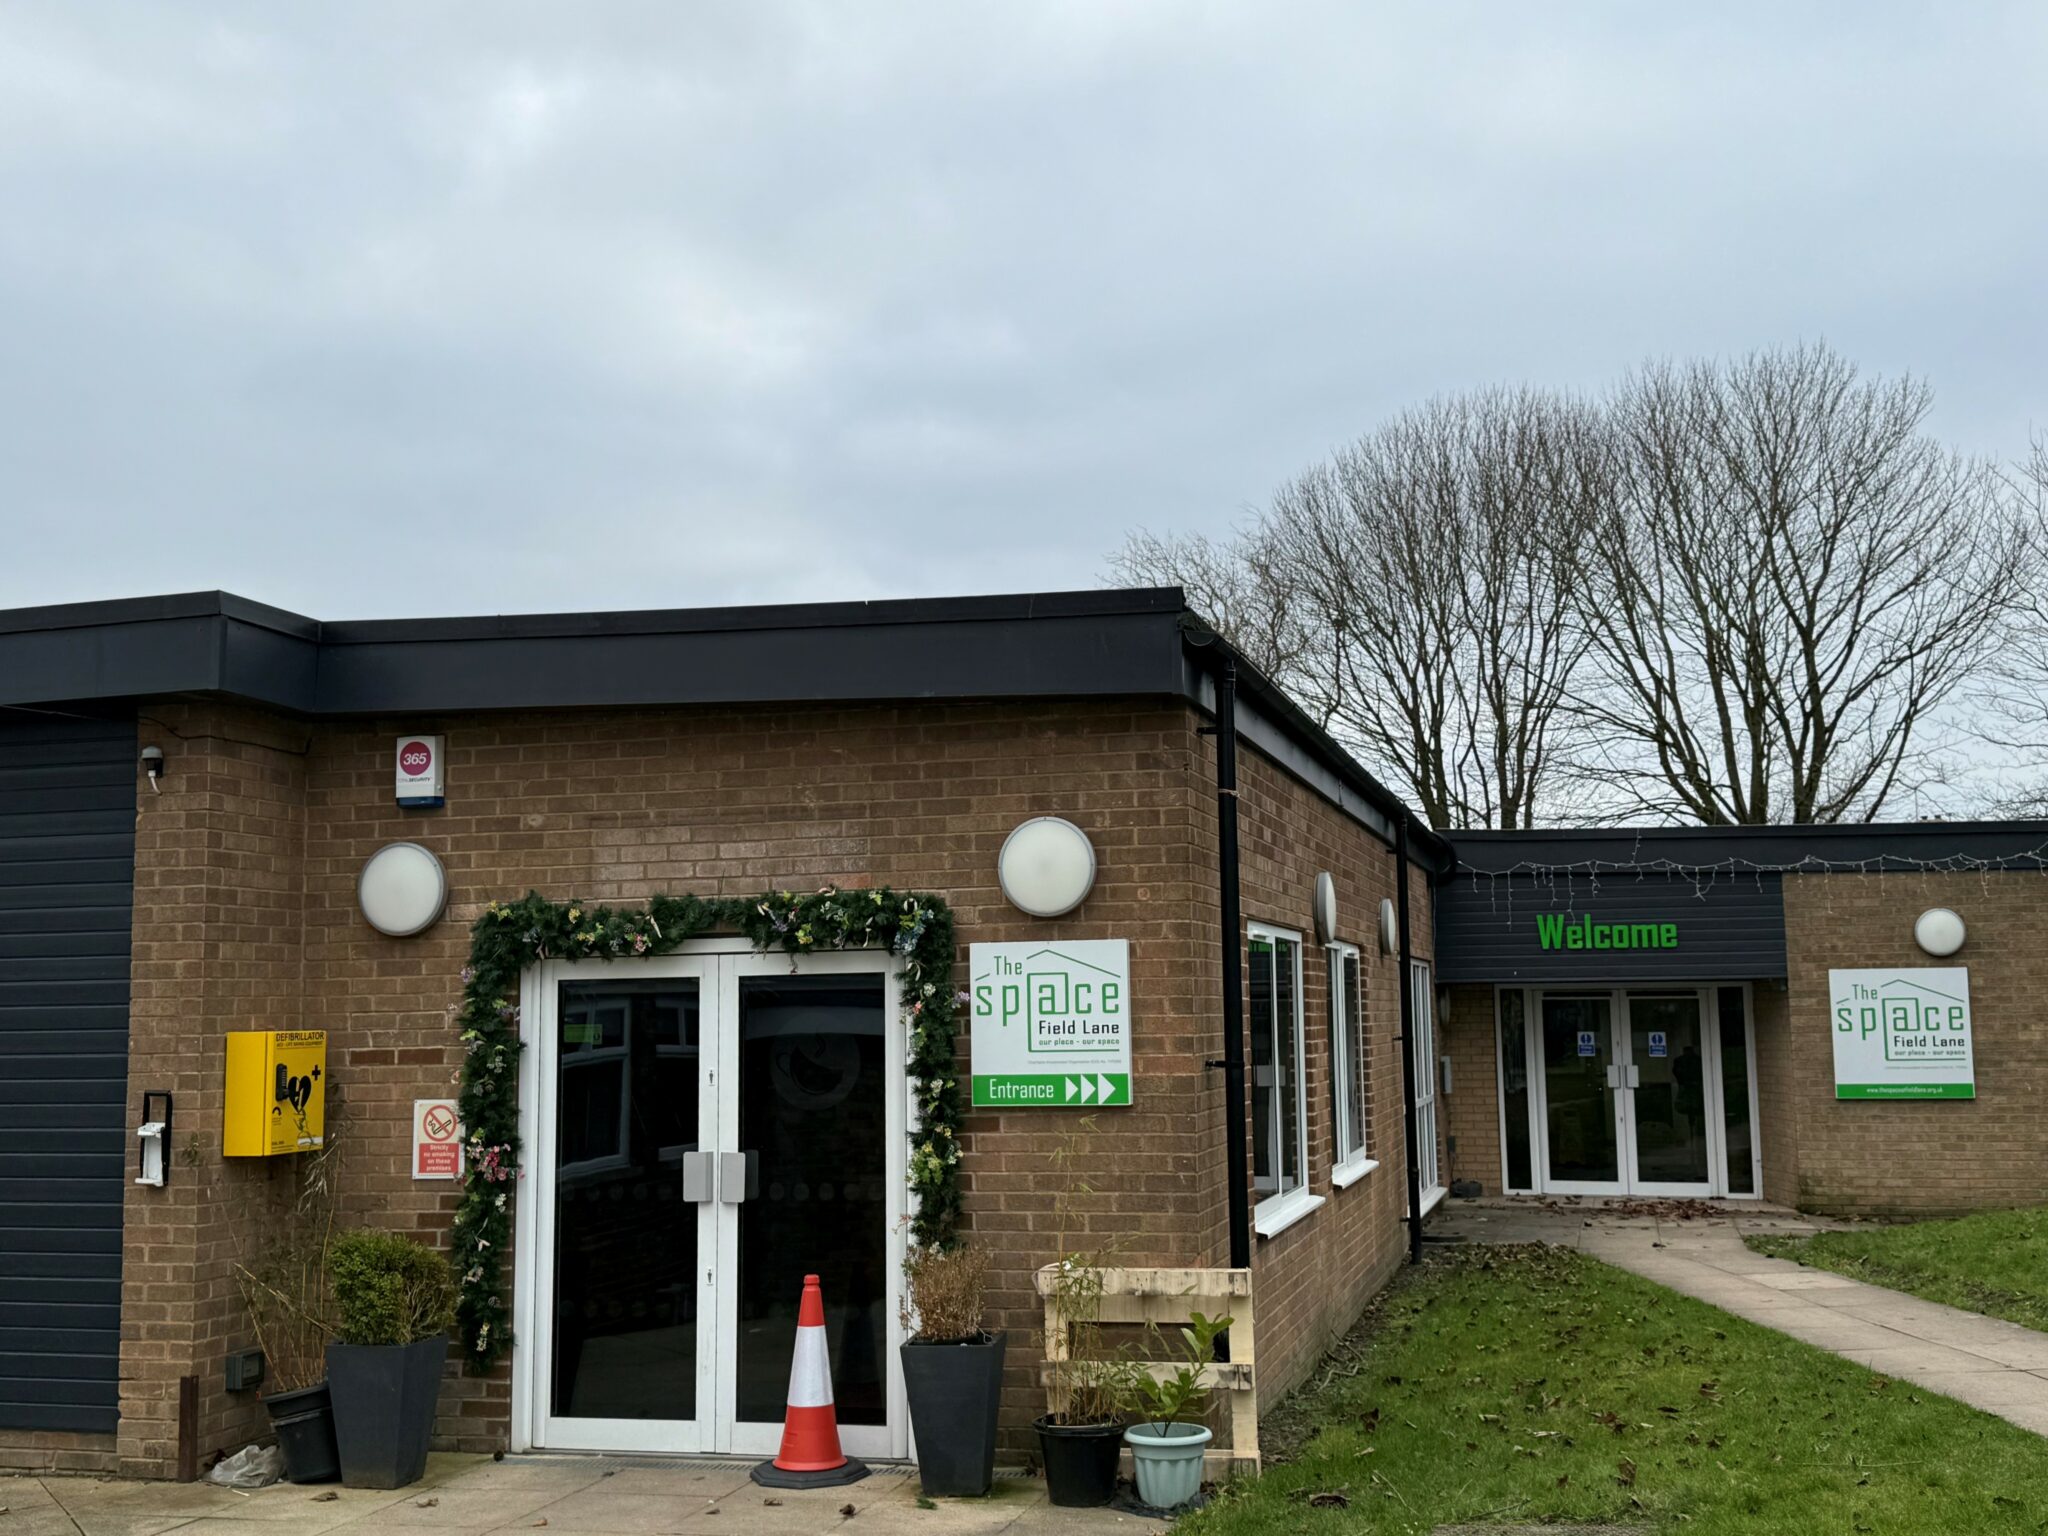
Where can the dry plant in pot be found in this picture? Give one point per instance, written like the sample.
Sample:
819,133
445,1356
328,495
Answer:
285,1286
1089,1380
952,1369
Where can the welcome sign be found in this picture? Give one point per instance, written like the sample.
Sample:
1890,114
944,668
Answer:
1902,1034
1556,931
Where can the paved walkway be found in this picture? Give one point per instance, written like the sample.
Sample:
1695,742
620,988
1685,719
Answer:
1986,1362
584,1495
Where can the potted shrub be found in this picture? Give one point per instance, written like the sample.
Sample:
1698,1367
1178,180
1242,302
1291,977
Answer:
285,1287
1169,1437
285,1290
394,1299
952,1370
1081,1436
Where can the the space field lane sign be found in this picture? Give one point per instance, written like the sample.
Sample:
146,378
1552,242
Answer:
1052,1024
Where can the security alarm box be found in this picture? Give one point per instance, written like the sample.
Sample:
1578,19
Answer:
276,1092
421,770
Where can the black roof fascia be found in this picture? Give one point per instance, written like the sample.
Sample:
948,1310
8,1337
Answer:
1058,644
1140,642
1841,845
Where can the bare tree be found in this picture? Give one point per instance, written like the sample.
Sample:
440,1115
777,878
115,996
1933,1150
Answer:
1413,592
1227,582
2013,700
1437,553
1789,582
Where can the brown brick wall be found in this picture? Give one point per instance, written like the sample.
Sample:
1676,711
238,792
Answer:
1471,1114
1939,1155
246,918
1314,1278
217,947
1776,1093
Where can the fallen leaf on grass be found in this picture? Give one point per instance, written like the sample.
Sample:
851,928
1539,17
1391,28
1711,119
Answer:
1625,1473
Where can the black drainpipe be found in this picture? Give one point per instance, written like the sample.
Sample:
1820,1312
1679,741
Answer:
1408,1063
1235,1134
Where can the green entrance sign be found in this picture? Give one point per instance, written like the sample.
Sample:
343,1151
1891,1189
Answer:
1556,931
1052,1024
1050,1090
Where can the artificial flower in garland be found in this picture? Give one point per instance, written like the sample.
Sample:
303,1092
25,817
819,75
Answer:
508,937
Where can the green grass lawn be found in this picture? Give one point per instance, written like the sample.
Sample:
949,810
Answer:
1534,1384
1995,1262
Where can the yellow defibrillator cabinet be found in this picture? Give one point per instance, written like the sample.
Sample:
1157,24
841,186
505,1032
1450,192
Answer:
276,1092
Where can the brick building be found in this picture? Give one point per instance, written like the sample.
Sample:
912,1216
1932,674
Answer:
611,758
1841,1018
607,759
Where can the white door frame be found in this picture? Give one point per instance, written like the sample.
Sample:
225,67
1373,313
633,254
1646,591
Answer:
1620,1051
719,962
1716,1182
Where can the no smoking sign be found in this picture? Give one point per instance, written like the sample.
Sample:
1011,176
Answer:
436,1140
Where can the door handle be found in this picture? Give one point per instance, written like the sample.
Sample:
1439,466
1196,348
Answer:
1614,1077
732,1177
697,1177
1635,1075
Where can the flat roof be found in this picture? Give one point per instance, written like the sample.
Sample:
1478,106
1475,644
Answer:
1877,846
1093,644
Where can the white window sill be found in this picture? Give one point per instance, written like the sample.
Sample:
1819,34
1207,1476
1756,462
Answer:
1344,1175
1274,1216
1432,1198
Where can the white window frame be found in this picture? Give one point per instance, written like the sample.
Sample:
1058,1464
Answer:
1349,1047
1422,1032
1283,1207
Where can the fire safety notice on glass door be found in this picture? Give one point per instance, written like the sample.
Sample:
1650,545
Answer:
1052,1024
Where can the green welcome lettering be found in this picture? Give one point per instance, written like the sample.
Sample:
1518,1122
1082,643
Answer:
1555,931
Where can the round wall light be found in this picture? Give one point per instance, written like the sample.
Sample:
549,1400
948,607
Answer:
1390,927
1326,907
1939,931
402,890
1047,867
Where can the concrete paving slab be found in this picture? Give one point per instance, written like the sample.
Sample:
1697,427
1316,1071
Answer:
1914,1360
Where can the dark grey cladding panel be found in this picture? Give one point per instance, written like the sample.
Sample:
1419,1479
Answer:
1491,927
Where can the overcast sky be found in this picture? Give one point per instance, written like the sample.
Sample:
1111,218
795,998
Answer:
373,310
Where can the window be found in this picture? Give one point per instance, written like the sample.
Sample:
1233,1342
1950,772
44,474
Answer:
1350,1061
1423,1044
1279,1097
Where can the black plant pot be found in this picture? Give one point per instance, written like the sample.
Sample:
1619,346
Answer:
955,1391
304,1421
1080,1462
384,1396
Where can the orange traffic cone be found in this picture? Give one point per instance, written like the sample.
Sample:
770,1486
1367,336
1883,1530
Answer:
810,1455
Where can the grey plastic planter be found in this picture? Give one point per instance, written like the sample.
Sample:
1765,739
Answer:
1168,1459
384,1396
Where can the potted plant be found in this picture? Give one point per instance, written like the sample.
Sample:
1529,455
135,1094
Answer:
394,1299
1081,1436
1168,1439
285,1290
952,1370
291,1306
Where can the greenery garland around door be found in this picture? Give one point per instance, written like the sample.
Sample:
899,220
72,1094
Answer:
509,937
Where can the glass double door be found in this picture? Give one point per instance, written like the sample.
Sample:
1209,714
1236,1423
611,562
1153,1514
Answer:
709,1129
1628,1093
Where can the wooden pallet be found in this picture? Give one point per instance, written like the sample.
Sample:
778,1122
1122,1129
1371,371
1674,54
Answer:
1166,1298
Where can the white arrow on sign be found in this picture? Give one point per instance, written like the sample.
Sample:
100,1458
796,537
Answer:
1070,1090
1106,1087
1087,1091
